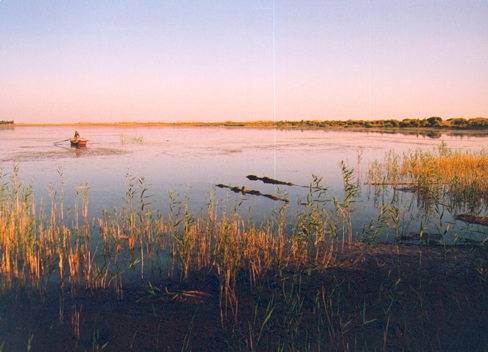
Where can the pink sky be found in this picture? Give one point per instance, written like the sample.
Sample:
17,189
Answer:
256,60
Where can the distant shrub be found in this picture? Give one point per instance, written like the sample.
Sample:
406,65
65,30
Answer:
479,122
410,123
460,121
389,123
434,121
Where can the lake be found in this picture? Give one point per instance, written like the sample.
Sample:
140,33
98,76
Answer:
189,162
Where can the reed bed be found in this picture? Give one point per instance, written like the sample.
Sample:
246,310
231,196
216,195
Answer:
273,285
38,243
455,178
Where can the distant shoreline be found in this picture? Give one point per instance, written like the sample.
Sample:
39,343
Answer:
431,123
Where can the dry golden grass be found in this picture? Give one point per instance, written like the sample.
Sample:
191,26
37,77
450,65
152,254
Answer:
459,176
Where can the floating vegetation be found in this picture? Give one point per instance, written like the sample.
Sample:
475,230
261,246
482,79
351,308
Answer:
61,153
131,139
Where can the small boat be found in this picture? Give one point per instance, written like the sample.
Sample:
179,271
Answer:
80,142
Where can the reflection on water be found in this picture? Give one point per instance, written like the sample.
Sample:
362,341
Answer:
191,162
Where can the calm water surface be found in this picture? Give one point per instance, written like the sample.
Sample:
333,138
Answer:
191,161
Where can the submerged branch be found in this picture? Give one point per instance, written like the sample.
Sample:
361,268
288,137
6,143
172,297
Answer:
244,190
473,219
269,180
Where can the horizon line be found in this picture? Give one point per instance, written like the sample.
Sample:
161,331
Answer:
223,122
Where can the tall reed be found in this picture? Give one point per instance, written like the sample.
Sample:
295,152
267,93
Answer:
95,254
442,175
42,245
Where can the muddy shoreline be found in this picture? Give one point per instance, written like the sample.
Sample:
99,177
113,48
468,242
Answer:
168,314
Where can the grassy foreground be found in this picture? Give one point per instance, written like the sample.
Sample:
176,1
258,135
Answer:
137,280
383,298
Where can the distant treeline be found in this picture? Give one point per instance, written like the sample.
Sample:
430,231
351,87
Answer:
431,122
434,122
3,122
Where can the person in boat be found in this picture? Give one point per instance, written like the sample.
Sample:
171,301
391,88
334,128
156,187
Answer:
77,135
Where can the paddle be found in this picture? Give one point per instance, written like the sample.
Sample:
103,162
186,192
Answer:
64,140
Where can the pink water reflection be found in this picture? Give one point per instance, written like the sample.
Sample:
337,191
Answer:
191,161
